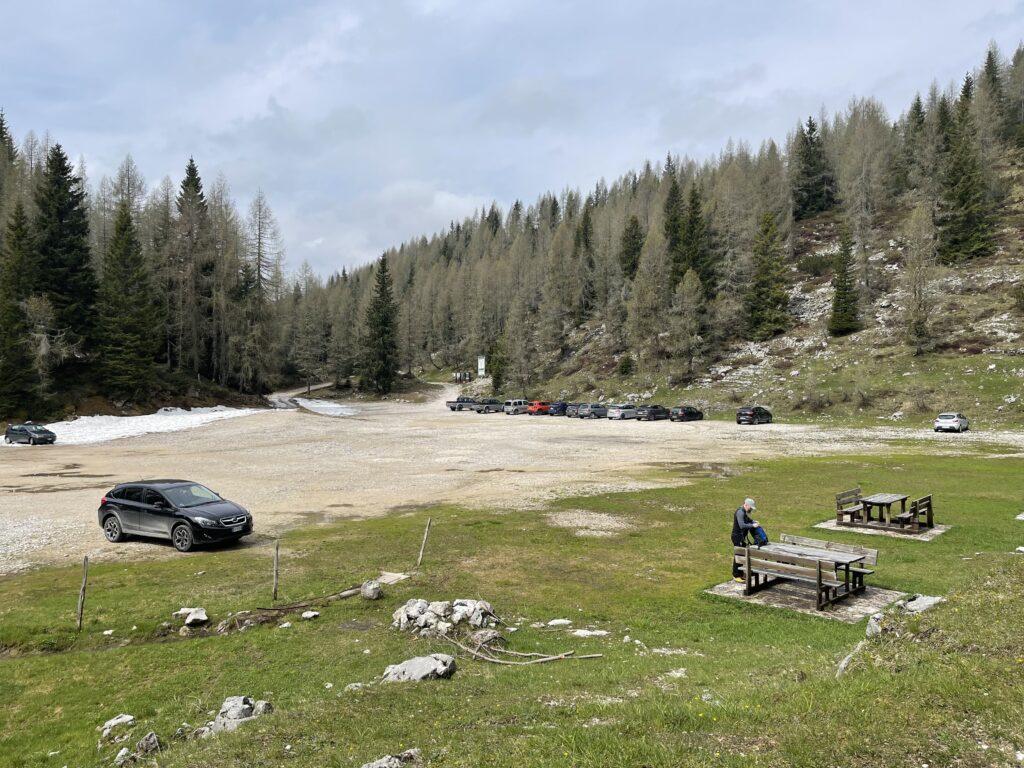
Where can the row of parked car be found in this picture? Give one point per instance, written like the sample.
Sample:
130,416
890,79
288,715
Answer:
751,414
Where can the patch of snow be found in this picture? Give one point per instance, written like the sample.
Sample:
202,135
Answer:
588,633
559,623
99,429
326,407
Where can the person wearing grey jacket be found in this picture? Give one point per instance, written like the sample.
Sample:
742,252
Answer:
742,524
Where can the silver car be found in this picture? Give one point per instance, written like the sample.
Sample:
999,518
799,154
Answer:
951,422
621,412
592,411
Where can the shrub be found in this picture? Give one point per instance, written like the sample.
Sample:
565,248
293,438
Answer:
816,264
1018,297
626,365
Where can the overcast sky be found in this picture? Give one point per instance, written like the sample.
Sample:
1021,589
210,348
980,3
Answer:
369,123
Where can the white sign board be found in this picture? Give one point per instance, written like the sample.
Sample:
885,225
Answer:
481,366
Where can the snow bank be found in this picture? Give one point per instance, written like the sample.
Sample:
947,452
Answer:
98,429
326,407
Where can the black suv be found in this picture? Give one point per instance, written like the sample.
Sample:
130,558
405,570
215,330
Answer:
30,433
651,413
180,510
753,414
685,413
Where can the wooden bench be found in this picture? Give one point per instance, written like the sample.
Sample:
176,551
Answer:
848,504
858,572
762,568
919,508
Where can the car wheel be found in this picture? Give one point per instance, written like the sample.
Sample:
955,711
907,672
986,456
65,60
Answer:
112,529
7,439
182,537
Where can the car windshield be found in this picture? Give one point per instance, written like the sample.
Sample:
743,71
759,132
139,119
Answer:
947,415
36,428
190,495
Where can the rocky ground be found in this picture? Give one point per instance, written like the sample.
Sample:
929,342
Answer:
294,468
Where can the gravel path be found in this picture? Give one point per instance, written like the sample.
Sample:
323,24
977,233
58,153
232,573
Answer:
294,467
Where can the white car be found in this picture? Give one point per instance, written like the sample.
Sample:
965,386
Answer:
622,412
951,422
515,407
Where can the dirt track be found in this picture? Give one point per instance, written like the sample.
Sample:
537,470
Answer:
294,467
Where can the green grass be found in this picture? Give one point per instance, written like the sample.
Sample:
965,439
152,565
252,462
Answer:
933,696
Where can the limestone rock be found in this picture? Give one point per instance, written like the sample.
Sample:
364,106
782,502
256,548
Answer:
124,757
432,667
196,618
848,659
874,625
114,723
411,757
920,603
148,744
371,590
310,615
236,708
261,708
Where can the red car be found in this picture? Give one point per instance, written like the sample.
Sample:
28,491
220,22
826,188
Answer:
538,408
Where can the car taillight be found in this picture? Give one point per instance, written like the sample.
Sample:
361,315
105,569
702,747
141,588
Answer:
103,501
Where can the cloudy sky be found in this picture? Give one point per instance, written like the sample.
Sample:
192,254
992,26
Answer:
369,123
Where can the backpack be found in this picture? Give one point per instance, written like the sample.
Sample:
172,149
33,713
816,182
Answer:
760,537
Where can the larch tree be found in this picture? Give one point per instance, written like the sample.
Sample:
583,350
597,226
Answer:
380,348
843,319
649,299
687,321
262,264
16,269
918,272
767,300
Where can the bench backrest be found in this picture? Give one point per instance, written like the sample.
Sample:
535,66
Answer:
870,555
922,506
851,496
781,558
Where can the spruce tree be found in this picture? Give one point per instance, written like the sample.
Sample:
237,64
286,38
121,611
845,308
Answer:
65,275
380,352
813,180
965,213
695,246
630,246
127,331
16,386
767,300
843,319
673,224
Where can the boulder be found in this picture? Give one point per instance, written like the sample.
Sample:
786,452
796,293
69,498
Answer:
371,590
874,625
432,667
236,708
114,723
920,603
148,744
409,757
196,618
441,608
310,615
124,757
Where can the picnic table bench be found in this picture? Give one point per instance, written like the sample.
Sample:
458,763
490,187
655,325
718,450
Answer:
835,570
848,505
875,511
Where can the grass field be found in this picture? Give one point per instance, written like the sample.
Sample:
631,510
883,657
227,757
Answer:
759,686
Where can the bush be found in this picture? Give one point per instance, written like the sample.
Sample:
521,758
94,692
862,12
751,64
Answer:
816,264
1018,297
626,365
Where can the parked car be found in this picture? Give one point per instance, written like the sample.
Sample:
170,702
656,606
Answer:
487,405
753,414
685,413
538,408
461,403
951,422
515,407
572,410
557,409
620,412
651,412
592,411
29,433
187,513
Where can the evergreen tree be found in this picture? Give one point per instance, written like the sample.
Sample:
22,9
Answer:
695,246
965,214
843,319
630,246
65,275
767,299
15,286
191,273
649,299
380,358
127,332
813,180
673,223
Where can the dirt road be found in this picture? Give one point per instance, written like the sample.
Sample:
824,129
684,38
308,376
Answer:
293,467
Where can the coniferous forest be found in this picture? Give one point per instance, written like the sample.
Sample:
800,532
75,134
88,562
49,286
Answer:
136,291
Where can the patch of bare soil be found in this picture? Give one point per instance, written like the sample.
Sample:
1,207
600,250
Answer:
586,523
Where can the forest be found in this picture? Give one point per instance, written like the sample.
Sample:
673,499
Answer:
135,292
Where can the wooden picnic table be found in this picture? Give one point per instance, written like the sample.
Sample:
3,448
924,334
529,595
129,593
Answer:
841,560
884,502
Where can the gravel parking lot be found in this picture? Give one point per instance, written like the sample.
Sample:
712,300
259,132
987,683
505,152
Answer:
293,468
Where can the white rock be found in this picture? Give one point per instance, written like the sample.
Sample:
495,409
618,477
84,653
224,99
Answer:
108,632
309,615
920,603
559,623
874,625
371,590
124,757
432,667
196,618
286,625
441,608
588,633
328,686
1019,550
182,612
410,757
116,722
355,686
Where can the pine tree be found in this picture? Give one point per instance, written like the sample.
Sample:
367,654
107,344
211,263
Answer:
695,246
630,246
965,214
767,299
192,270
65,275
127,332
15,286
843,320
380,356
813,180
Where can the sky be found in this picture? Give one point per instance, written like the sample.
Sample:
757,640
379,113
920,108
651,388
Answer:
370,123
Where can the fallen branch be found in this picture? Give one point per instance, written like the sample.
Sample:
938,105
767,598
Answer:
351,592
541,660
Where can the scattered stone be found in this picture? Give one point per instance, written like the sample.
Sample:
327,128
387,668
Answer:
921,603
559,623
286,625
124,757
233,712
186,631
148,744
202,732
588,633
371,590
262,708
310,615
328,686
108,632
441,617
409,757
182,612
114,723
1019,550
355,686
432,667
874,625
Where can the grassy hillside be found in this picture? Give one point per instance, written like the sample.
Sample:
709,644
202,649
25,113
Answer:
759,685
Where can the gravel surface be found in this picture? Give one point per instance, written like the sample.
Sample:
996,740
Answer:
298,468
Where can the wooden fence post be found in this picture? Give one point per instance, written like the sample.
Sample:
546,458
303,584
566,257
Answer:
277,563
423,546
81,592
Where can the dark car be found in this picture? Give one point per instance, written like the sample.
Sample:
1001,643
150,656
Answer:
753,414
685,413
187,513
592,411
489,405
33,434
572,410
557,409
651,413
